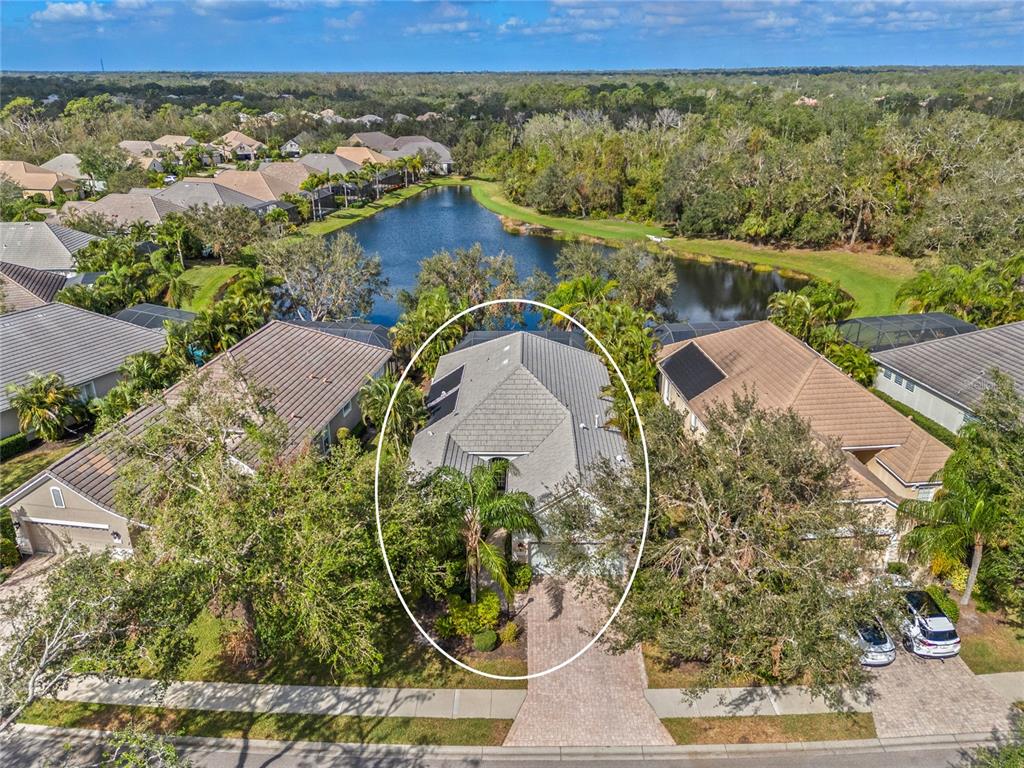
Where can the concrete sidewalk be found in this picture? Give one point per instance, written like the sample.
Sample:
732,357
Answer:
744,702
1009,685
301,699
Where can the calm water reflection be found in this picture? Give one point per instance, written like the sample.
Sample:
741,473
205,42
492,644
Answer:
449,218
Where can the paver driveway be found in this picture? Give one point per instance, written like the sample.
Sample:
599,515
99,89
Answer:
927,697
598,700
26,578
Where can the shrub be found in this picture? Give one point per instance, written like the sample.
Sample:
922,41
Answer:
522,577
466,619
509,633
13,445
898,568
947,604
488,608
485,641
9,555
958,577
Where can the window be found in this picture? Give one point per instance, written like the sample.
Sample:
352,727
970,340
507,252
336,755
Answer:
87,391
887,373
58,498
502,478
899,380
693,422
910,385
346,409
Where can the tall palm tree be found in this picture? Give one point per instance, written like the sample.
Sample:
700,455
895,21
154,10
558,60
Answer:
45,405
172,233
575,297
793,313
407,415
373,170
168,281
415,326
478,509
960,517
416,166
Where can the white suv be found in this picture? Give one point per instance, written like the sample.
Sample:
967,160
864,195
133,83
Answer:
927,631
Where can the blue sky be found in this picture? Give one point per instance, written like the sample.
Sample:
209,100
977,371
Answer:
335,35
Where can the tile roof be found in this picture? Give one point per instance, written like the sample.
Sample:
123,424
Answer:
375,140
40,283
234,139
784,373
411,148
360,155
125,209
203,191
67,164
41,244
522,394
958,367
258,184
59,338
34,178
310,374
368,333
321,161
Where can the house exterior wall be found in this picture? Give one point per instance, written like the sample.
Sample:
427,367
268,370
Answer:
673,398
9,423
912,394
41,526
345,420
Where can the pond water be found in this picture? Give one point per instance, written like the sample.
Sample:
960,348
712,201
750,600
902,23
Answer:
449,218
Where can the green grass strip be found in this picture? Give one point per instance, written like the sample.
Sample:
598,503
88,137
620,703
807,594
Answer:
770,729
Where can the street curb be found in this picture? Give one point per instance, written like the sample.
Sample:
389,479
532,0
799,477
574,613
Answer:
551,754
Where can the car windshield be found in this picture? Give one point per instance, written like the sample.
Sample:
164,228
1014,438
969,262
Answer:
940,635
872,634
923,603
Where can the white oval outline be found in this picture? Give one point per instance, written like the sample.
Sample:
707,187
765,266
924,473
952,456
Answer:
376,490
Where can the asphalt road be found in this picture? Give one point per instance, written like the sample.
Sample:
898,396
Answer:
51,749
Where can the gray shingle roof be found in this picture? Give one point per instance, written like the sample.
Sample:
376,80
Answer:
310,375
39,282
187,193
957,367
523,394
58,338
41,244
322,161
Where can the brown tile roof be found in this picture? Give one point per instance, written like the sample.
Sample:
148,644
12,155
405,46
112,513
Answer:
234,139
34,178
125,209
785,373
262,186
361,155
40,283
310,374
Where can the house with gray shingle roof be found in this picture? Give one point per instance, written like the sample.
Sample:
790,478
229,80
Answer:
27,288
313,378
83,347
42,245
525,398
945,378
124,209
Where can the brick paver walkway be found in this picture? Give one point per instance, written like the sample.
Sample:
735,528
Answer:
598,700
926,697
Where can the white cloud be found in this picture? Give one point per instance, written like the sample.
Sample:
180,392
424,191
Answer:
79,11
351,21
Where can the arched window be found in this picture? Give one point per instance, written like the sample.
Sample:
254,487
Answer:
502,474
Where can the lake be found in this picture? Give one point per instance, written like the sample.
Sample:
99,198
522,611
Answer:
447,218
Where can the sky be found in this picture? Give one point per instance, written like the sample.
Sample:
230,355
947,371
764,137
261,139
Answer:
363,35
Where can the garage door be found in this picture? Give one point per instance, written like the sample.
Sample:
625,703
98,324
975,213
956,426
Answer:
54,536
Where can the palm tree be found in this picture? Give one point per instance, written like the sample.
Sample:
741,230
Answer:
960,517
172,233
414,327
168,281
45,405
373,170
793,313
416,166
353,178
407,415
478,509
576,296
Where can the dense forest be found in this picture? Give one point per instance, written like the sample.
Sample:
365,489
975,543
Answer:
925,162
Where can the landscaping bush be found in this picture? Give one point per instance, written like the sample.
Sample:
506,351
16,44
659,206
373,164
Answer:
485,641
522,577
9,555
466,619
13,445
947,604
898,568
509,633
958,577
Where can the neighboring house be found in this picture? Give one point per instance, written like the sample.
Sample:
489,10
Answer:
240,146
945,378
400,117
401,141
36,180
190,192
368,120
437,157
530,400
375,140
83,347
124,209
297,145
70,165
42,245
148,153
314,379
360,155
330,117
368,333
321,162
154,316
145,154
428,116
27,288
176,143
670,333
888,457
880,332
265,186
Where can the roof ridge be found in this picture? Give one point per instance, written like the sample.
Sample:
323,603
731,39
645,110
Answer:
952,338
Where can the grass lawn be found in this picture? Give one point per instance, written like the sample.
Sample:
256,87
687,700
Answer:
208,280
347,216
870,278
407,664
991,645
339,728
665,672
16,470
490,196
770,729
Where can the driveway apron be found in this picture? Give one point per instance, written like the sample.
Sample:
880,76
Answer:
597,700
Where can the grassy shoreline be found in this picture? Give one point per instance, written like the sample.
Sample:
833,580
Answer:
347,729
872,279
345,217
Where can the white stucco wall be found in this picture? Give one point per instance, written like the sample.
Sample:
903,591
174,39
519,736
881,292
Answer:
911,393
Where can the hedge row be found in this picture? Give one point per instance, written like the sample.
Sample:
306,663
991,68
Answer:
13,445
